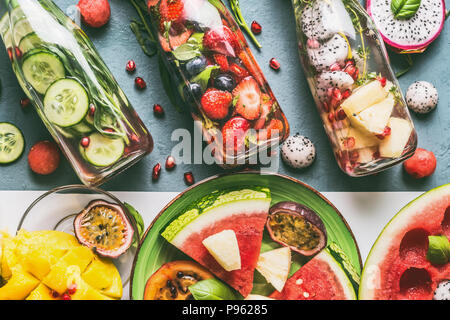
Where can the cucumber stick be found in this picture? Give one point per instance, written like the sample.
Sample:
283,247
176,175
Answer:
12,143
66,103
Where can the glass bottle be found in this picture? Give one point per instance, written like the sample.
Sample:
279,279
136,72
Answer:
356,92
217,76
72,89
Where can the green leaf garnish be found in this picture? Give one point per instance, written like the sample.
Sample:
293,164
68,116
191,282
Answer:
212,289
203,77
404,9
438,250
186,51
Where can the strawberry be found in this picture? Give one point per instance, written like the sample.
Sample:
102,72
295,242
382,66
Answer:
170,11
222,40
248,97
216,103
222,61
248,61
175,40
234,132
275,126
266,108
152,3
239,72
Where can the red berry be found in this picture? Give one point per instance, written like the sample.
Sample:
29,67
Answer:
382,81
238,71
340,114
18,53
140,83
72,289
337,94
376,154
92,109
156,172
350,69
326,106
234,132
95,13
346,94
44,158
335,67
274,64
158,110
189,178
10,54
256,27
422,164
131,66
248,95
349,142
222,40
386,132
170,163
331,117
222,61
65,296
24,102
85,141
216,103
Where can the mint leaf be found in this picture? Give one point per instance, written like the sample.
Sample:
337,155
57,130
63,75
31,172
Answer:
203,77
438,250
186,51
404,9
137,217
212,289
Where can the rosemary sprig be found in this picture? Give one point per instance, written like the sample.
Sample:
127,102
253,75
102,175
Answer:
236,9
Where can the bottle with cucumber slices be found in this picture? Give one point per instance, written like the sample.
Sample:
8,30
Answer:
72,89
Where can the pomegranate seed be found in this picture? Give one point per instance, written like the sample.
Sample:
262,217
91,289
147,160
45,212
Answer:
85,142
10,54
109,130
256,27
170,163
134,138
356,75
66,297
349,142
313,43
131,66
335,67
346,94
274,64
376,154
386,132
340,114
354,156
72,289
335,102
140,83
337,94
156,172
331,117
350,69
349,62
92,109
54,294
24,102
382,81
330,92
326,106
18,53
189,178
158,110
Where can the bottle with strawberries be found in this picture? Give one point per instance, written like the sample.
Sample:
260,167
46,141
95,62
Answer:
358,96
218,78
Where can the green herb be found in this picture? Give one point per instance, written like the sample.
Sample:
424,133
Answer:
405,9
147,43
409,61
235,7
438,250
212,289
186,51
137,217
203,77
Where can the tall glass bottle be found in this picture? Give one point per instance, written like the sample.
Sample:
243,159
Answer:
72,89
356,92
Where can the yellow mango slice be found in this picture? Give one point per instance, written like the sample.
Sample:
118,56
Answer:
102,275
19,285
42,292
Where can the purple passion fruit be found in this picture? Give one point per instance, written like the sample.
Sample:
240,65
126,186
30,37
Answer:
173,279
296,226
105,228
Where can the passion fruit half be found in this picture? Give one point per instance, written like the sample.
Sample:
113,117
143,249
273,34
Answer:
105,228
173,279
296,226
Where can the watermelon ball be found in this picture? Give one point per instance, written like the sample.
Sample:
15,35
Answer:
422,164
95,13
43,158
298,151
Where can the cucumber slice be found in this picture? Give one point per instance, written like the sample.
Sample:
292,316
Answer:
103,151
29,42
83,128
21,29
12,143
41,68
4,24
66,103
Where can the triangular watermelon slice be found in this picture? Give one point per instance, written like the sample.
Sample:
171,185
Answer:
243,211
321,278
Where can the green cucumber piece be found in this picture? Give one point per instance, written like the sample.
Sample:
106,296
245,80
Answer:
29,42
66,103
83,128
41,68
21,29
12,143
4,24
103,151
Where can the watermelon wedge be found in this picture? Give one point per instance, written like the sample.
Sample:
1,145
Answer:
243,211
321,278
397,266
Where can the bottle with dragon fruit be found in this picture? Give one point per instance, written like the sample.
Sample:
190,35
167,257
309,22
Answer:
356,92
217,76
73,91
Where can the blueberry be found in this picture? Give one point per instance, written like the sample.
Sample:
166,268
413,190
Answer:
192,92
224,82
196,65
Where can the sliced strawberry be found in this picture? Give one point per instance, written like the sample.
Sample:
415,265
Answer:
274,128
222,61
248,97
175,40
216,103
266,108
234,132
249,62
222,40
239,72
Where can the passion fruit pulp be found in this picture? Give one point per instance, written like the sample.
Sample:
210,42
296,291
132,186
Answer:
296,226
173,279
105,228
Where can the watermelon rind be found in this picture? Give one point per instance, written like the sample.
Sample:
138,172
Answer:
349,269
370,275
